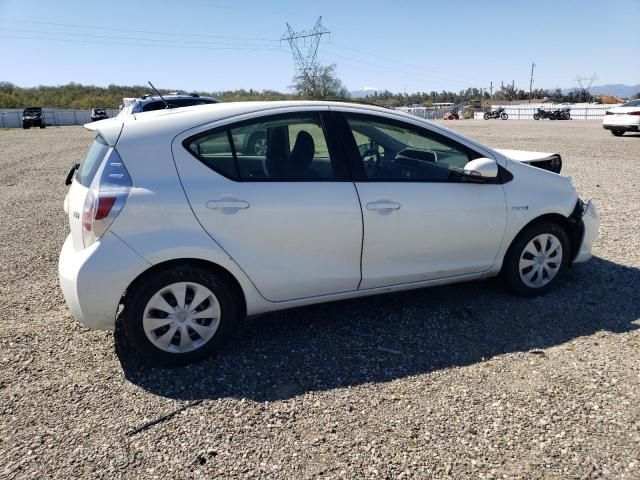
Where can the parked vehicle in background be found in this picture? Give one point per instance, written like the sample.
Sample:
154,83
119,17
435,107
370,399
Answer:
254,142
149,103
563,113
32,117
499,113
98,114
190,234
625,118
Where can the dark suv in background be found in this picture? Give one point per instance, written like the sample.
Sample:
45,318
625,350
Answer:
32,117
98,114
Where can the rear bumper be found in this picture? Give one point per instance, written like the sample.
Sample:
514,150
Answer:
591,222
94,279
625,128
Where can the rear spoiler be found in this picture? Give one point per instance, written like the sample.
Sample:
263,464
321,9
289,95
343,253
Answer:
109,129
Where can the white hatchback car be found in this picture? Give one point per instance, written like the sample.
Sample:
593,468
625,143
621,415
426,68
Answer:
190,234
625,118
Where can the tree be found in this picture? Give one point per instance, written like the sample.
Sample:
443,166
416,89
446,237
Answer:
320,83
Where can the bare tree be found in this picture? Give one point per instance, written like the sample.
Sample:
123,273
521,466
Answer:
320,83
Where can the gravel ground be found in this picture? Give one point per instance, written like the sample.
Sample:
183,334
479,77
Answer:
462,381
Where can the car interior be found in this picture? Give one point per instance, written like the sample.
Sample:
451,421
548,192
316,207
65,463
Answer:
395,153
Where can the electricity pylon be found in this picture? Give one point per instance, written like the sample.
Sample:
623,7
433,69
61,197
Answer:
582,82
304,46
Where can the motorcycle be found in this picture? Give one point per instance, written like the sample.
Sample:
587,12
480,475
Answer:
499,113
558,114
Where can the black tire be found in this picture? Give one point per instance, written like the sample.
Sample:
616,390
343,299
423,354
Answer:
504,116
257,144
487,116
25,126
618,133
536,116
42,125
552,118
511,266
142,291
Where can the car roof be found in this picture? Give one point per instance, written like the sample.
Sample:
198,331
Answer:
167,123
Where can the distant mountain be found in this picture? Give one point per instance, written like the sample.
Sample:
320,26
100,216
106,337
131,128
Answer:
616,89
365,91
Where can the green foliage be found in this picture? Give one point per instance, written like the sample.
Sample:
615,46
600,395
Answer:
74,95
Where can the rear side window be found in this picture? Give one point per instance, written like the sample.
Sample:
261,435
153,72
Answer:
91,161
281,148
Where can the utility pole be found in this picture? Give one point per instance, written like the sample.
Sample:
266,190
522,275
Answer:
491,90
531,81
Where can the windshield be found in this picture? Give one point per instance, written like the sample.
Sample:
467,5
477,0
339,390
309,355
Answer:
632,103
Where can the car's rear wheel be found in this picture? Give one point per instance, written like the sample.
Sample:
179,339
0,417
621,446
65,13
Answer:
536,259
618,133
180,315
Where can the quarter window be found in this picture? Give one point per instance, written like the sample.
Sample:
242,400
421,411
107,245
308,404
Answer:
277,148
392,151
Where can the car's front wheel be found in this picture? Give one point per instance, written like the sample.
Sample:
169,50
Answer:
180,315
536,259
618,133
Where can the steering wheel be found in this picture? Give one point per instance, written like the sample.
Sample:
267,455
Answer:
370,154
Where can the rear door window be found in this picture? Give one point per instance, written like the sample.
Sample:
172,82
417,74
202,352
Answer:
91,161
279,148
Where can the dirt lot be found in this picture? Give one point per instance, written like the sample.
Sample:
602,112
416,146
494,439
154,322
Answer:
456,382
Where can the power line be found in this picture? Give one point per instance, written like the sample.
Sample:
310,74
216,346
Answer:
256,49
151,32
111,37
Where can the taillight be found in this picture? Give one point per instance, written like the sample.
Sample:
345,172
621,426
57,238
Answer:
105,198
633,113
104,207
608,113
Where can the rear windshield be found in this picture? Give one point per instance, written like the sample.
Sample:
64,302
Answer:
91,161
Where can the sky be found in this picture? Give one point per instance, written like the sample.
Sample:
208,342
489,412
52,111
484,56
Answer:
407,45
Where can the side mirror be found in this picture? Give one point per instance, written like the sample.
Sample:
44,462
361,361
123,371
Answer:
481,168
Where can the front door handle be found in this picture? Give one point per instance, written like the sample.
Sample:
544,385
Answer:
227,204
383,205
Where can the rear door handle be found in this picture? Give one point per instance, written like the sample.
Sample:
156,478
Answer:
227,204
383,205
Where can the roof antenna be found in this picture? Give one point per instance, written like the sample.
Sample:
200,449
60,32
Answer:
166,104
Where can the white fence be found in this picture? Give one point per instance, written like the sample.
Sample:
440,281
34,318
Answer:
12,118
579,111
